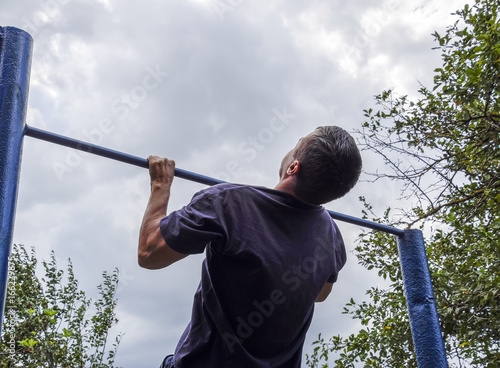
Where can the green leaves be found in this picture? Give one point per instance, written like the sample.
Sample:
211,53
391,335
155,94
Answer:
28,343
51,324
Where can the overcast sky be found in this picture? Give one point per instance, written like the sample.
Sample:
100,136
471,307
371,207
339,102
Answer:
225,88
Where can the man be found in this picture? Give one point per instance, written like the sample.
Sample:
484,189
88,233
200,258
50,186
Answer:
270,254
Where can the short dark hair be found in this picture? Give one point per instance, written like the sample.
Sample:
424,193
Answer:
330,165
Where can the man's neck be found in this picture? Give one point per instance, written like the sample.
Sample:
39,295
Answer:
287,185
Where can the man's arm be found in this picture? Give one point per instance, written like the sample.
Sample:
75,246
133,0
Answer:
325,291
153,251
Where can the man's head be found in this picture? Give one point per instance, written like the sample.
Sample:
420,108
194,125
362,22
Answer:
323,166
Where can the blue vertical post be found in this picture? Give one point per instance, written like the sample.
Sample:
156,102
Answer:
424,321
15,63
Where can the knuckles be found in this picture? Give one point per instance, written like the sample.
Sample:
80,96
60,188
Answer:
158,164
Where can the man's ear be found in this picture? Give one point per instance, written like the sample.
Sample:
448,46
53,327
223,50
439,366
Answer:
293,168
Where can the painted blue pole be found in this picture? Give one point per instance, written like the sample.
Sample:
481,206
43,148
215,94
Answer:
424,321
15,65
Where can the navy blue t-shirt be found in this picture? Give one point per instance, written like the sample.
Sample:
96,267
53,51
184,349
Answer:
268,256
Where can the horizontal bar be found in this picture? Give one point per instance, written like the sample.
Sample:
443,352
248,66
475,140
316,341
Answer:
112,154
183,174
366,223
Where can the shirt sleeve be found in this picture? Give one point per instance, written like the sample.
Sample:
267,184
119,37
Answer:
190,229
339,254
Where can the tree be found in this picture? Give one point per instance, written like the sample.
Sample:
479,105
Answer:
47,321
444,151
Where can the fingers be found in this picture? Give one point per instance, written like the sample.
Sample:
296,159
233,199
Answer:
154,158
160,161
161,170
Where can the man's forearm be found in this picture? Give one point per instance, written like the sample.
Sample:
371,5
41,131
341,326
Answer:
156,210
158,202
154,252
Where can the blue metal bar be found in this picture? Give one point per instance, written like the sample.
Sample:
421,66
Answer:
141,162
424,321
365,223
15,64
112,154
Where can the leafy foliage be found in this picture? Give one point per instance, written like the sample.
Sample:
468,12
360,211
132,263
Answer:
444,150
46,319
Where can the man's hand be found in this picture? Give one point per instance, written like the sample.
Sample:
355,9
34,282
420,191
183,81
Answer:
161,171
